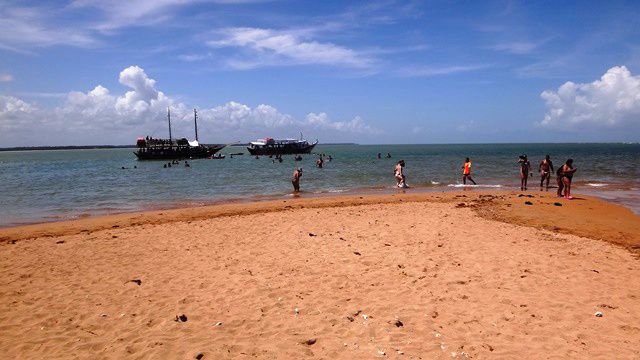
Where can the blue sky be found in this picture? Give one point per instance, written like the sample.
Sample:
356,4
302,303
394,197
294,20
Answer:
89,71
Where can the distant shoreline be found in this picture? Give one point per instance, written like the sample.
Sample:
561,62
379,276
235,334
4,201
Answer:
84,147
90,147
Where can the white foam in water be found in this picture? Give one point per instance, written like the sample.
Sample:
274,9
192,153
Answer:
476,186
435,183
596,185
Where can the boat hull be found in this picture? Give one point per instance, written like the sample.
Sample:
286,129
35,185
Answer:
280,150
177,153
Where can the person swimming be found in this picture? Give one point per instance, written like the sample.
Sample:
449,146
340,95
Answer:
545,168
466,172
567,177
525,170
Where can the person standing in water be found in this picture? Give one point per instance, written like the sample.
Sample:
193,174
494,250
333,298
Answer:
295,180
545,168
466,172
399,174
319,162
525,170
567,176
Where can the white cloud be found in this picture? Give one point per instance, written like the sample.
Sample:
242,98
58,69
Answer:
426,71
6,77
98,108
517,47
120,13
99,116
270,48
14,113
610,102
356,125
236,116
22,28
465,126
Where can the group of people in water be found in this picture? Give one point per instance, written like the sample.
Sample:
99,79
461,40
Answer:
564,174
175,162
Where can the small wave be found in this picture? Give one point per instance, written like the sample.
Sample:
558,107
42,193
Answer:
475,186
597,184
435,183
330,191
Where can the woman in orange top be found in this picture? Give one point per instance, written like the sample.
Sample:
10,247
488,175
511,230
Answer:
466,172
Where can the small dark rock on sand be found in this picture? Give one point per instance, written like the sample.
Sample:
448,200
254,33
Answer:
357,253
137,281
199,356
557,204
398,323
60,242
181,318
310,341
312,234
528,203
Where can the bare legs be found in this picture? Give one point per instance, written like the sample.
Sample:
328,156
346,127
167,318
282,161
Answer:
523,181
567,188
465,177
545,176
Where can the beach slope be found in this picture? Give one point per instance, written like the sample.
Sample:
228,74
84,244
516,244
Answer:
445,275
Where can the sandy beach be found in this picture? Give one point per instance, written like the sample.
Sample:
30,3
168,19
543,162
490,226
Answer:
419,275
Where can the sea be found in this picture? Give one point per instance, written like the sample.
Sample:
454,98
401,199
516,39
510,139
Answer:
53,185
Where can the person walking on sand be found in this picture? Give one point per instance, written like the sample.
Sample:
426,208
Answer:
567,176
466,172
525,170
399,174
295,180
545,168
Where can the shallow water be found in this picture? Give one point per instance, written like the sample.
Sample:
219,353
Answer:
54,185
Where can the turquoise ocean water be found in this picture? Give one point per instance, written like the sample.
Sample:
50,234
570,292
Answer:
38,186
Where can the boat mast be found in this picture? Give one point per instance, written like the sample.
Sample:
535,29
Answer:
169,118
195,120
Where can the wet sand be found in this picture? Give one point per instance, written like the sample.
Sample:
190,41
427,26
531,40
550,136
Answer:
423,275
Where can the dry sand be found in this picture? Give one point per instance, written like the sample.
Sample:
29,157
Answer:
460,271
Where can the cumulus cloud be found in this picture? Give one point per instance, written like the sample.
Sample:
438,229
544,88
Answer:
6,77
613,101
272,47
14,112
356,125
99,116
